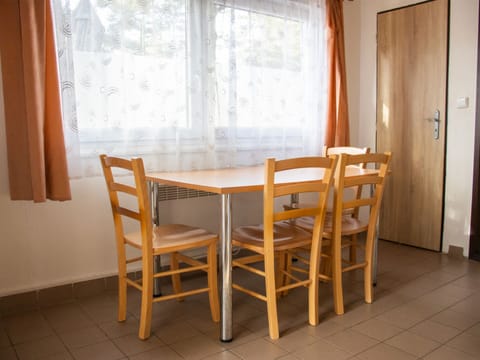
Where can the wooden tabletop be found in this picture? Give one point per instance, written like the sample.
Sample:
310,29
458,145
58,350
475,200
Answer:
237,180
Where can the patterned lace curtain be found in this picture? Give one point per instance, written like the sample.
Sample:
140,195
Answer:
191,84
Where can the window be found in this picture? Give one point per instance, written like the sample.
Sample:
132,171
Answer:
191,83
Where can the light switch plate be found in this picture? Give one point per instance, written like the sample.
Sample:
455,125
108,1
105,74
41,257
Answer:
462,102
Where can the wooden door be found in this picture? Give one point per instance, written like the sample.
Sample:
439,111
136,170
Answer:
411,121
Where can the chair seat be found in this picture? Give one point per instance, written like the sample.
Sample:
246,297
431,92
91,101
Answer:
285,234
350,225
173,235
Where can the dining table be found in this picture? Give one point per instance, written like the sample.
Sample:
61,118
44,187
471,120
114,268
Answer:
226,182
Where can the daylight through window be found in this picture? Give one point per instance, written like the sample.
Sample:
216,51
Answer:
191,84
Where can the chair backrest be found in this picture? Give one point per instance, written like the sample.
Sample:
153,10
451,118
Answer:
354,192
127,200
373,176
295,176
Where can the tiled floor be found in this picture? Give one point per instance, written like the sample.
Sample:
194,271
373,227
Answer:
426,307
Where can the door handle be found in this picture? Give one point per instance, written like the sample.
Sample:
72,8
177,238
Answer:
436,124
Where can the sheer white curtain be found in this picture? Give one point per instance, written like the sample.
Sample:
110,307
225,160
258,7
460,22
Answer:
190,84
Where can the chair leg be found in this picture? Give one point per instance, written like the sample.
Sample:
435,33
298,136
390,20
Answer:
367,275
271,295
122,286
176,281
147,301
368,286
337,275
122,298
213,282
314,268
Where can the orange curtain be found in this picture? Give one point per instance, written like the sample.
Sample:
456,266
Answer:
337,130
36,153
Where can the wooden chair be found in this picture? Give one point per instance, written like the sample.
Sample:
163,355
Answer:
341,224
131,208
353,192
270,240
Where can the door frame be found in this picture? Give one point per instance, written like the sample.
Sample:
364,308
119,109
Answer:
474,247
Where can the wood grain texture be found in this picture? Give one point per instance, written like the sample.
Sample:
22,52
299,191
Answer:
411,85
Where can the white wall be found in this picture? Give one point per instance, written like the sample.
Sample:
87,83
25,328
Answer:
462,83
55,243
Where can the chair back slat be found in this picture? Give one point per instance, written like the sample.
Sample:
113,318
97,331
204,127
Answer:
362,180
118,174
372,183
127,212
289,189
117,187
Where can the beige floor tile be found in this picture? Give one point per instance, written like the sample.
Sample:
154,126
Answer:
101,314
468,282
259,349
387,301
67,317
82,337
326,328
8,353
224,355
4,339
175,332
59,356
474,330
288,357
294,340
240,333
422,300
18,303
197,347
455,319
419,286
401,316
435,331
203,322
377,329
352,341
444,276
385,352
27,327
468,306
452,291
322,349
131,344
467,343
102,351
115,329
412,343
40,348
447,353
258,324
355,314
163,352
